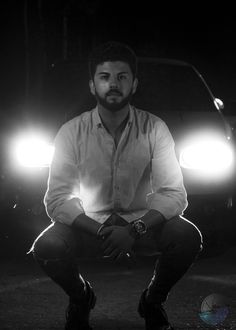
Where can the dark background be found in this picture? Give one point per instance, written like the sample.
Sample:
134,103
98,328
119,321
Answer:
35,35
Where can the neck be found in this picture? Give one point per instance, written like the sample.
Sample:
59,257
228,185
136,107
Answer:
113,120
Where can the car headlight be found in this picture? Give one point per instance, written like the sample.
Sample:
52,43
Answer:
33,151
207,156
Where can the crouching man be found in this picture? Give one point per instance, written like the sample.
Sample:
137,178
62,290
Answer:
115,188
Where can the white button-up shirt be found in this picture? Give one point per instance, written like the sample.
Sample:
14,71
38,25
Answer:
90,175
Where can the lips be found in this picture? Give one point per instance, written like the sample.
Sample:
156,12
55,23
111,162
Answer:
114,93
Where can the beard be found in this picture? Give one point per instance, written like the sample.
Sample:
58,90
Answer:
114,105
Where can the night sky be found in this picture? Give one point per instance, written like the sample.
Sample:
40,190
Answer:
201,35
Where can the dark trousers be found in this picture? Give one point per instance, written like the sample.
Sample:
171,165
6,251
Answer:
178,242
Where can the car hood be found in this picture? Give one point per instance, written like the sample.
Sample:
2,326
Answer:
183,124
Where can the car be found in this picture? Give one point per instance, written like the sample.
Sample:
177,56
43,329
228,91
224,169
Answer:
176,92
230,114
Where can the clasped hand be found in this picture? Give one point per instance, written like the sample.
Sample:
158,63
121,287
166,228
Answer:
117,241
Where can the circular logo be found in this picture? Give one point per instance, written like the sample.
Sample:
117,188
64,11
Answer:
214,309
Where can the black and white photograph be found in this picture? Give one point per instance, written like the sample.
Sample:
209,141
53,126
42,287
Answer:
118,165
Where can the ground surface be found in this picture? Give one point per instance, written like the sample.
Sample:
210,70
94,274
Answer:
31,301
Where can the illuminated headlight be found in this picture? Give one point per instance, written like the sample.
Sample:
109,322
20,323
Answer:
207,156
33,151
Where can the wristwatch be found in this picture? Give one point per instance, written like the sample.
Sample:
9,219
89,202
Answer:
137,228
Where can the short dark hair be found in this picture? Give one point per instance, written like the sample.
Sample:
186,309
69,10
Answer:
112,51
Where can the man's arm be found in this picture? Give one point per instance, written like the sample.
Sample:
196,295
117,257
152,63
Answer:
62,196
168,196
152,219
86,224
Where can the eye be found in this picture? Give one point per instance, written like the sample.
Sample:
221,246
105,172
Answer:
104,76
122,77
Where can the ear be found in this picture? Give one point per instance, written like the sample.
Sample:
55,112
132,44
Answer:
135,84
91,86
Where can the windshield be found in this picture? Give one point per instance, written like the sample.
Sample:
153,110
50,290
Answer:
170,87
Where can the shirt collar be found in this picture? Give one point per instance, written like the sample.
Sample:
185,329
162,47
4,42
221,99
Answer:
97,119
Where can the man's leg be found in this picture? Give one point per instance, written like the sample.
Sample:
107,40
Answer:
179,242
55,251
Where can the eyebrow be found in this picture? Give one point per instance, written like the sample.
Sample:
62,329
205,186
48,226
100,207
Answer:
105,72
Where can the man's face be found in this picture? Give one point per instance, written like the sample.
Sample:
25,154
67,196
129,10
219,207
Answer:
113,85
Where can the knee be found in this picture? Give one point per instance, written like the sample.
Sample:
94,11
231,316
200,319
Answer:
193,237
50,247
186,235
196,238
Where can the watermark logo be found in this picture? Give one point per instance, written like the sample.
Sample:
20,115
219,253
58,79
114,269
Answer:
214,309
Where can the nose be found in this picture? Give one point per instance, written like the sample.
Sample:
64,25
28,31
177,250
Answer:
114,83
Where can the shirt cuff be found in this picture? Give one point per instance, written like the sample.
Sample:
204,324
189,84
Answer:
67,212
167,206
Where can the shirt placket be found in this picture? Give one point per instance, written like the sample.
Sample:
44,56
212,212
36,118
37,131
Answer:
114,166
116,183
115,159
116,172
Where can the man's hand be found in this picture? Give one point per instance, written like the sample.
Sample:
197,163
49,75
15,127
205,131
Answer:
117,241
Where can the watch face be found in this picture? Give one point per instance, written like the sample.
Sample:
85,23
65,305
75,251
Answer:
140,227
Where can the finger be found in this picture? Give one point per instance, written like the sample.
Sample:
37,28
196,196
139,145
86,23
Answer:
106,244
115,254
120,256
106,231
108,251
111,254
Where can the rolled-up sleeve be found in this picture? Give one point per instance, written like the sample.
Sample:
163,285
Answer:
168,194
62,200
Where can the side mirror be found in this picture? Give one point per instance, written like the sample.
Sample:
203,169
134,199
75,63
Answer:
219,103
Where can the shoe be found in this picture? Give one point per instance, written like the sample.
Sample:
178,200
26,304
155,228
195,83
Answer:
77,315
154,314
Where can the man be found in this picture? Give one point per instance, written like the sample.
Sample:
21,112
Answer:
115,188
